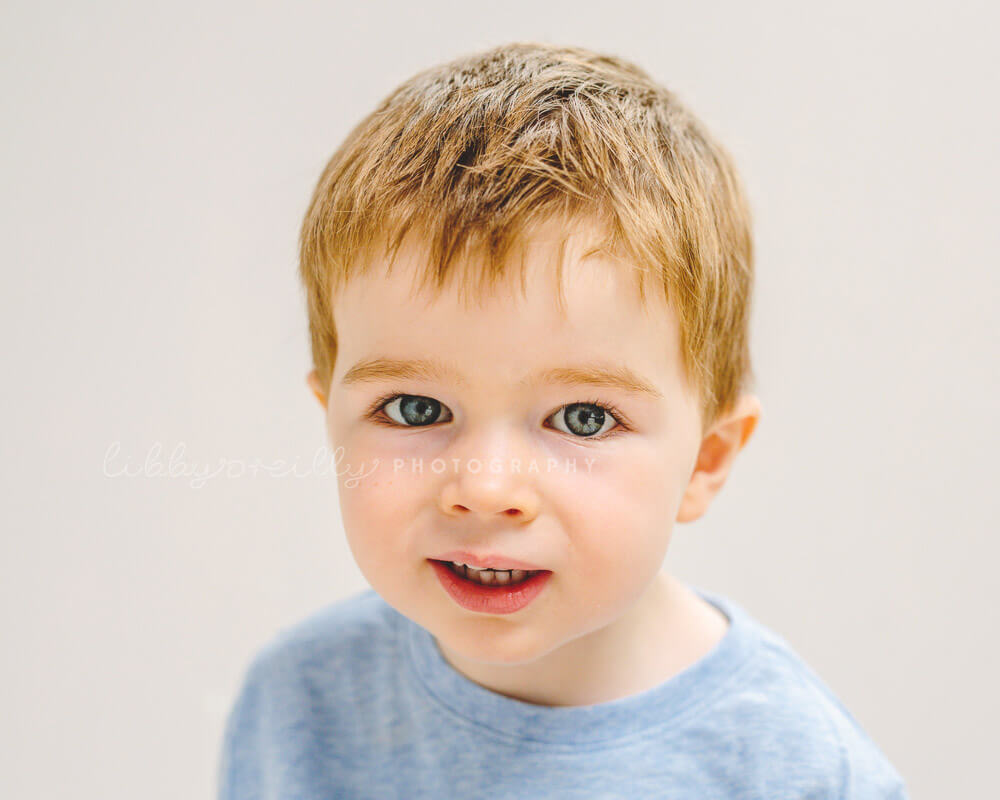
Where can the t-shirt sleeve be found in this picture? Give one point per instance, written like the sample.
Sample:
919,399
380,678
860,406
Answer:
868,773
239,765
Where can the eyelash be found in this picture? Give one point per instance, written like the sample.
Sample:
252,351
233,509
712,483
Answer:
624,425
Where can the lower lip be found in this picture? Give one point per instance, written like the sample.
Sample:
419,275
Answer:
489,599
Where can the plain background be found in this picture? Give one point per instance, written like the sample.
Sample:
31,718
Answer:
156,165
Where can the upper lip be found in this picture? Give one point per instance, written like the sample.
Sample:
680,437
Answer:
486,560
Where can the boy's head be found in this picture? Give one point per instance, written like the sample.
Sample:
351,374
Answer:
528,276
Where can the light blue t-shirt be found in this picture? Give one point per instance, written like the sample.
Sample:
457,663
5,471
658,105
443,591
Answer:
356,701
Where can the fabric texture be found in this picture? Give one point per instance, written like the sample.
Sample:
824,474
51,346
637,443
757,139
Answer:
356,701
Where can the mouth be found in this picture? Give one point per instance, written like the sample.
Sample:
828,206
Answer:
489,576
494,561
490,591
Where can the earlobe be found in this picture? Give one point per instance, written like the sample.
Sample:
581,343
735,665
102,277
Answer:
715,458
313,380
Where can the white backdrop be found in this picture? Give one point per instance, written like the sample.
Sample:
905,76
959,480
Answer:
156,164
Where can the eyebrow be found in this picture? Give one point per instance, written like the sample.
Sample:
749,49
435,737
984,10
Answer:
386,369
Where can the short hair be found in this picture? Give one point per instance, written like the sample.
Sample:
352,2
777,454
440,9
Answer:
470,154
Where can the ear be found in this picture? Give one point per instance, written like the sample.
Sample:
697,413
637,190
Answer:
313,380
715,458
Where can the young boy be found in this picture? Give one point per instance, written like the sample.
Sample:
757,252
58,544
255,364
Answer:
528,275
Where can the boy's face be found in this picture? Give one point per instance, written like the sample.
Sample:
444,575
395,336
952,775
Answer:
597,511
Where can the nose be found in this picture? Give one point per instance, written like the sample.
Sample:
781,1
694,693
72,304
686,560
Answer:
494,483
488,500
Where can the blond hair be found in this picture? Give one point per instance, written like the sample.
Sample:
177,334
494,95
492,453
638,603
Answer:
472,153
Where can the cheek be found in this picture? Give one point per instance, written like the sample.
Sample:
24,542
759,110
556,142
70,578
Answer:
637,483
379,514
618,514
369,502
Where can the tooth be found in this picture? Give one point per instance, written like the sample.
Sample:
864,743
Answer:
491,577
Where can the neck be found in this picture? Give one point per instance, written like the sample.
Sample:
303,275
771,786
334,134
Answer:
666,630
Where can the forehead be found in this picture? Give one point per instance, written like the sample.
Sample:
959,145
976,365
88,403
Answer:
554,258
560,301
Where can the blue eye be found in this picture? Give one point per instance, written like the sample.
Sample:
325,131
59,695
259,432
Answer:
585,420
413,410
592,419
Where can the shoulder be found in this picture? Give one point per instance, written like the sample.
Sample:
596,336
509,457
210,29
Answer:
315,668
332,640
298,687
793,716
344,653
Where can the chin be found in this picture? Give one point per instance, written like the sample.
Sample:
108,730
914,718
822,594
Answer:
488,644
